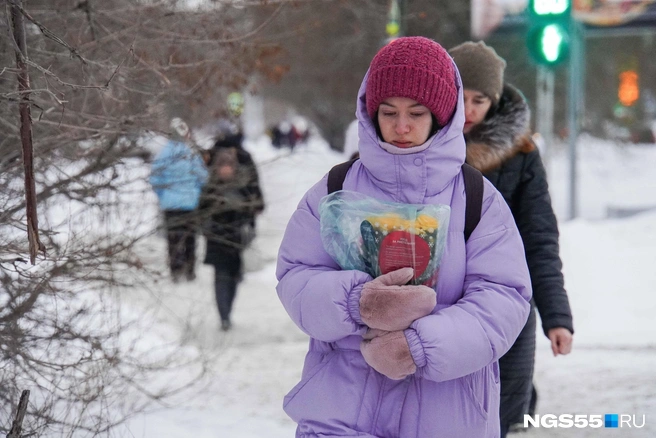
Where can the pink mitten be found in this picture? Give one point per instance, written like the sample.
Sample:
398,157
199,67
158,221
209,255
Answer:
387,303
388,353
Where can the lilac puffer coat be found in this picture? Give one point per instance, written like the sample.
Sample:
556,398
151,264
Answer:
483,295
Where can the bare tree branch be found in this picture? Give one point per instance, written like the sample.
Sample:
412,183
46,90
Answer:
47,33
18,29
10,96
17,426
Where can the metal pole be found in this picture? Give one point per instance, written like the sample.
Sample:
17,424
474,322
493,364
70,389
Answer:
544,124
404,14
573,107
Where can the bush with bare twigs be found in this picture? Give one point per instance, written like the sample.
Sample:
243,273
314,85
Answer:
83,80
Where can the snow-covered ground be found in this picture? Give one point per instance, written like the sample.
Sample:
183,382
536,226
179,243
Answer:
609,273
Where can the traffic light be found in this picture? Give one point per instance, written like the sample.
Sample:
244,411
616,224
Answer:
393,27
548,35
628,92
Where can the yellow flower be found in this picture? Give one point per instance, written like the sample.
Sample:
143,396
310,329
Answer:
422,224
389,222
425,222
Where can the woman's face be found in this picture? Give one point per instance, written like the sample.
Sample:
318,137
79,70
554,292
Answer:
404,122
477,105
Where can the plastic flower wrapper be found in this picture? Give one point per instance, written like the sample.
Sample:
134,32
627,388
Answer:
377,237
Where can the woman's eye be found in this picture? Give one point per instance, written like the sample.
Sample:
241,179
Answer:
388,114
417,114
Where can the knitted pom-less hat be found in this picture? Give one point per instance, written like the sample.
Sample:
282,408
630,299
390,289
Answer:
480,68
417,68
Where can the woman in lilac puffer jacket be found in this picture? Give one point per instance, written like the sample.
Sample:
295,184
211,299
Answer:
388,359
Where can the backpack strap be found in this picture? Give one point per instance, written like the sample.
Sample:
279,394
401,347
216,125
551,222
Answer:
474,198
337,175
473,190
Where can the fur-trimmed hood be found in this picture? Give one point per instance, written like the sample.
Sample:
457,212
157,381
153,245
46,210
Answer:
502,136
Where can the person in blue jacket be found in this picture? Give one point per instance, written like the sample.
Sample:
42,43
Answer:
178,174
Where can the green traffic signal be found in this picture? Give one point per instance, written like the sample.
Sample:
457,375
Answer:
548,37
549,7
552,42
548,44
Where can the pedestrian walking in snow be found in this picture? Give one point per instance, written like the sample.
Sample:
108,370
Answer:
177,176
499,145
229,204
388,359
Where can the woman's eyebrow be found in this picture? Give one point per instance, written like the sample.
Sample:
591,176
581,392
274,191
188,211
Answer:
415,105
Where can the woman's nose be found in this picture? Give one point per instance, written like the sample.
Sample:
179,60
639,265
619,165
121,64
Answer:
468,111
402,126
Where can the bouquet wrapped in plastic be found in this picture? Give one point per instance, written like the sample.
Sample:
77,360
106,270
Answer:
378,237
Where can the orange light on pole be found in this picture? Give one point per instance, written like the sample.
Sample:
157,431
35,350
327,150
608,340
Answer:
628,91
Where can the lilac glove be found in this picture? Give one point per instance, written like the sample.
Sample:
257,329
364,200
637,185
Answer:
388,353
387,303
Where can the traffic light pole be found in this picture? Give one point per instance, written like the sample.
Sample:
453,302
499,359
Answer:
545,109
574,101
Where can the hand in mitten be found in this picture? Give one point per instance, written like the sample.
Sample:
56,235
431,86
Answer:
388,353
387,303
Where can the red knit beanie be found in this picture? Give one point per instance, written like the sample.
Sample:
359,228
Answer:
417,68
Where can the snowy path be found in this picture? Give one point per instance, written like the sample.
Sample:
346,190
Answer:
261,359
609,272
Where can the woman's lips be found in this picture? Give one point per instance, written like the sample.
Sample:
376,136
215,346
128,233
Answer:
402,144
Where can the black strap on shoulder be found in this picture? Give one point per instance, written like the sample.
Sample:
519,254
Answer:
474,198
337,175
473,190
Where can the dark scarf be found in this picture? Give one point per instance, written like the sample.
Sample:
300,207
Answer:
502,135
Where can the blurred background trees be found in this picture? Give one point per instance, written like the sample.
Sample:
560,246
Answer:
326,46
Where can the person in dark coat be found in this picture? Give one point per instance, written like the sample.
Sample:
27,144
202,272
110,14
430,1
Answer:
499,145
228,207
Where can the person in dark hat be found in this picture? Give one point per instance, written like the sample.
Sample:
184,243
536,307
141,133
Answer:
499,144
229,204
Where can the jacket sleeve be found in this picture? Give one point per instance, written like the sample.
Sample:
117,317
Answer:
539,229
482,325
321,299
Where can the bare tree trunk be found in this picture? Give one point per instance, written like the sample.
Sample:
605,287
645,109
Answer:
18,29
17,425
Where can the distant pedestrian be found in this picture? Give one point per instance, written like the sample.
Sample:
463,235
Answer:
282,135
229,204
499,145
178,174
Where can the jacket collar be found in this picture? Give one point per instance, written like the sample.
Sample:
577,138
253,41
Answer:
503,135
